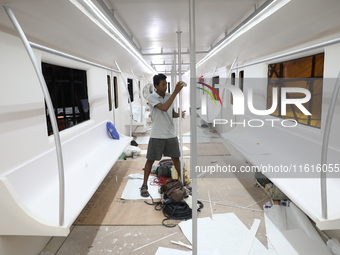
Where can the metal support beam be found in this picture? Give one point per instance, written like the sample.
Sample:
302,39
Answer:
169,53
193,131
179,33
170,64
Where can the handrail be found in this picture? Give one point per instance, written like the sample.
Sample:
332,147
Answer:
50,111
325,140
65,55
313,47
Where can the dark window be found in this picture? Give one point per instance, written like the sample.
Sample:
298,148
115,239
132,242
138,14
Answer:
232,82
233,78
216,80
304,73
109,92
68,91
115,89
241,80
130,88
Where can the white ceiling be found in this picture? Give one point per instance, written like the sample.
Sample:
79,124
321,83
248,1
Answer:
152,24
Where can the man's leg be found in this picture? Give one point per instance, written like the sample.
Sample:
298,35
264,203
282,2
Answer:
177,165
147,171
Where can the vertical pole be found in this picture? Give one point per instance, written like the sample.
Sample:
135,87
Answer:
129,99
174,80
193,131
50,112
180,103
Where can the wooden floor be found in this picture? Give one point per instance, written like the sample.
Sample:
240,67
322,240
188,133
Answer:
108,221
106,208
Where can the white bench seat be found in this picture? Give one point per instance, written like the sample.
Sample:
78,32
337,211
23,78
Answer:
269,146
29,194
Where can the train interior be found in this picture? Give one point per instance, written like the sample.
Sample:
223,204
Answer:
258,141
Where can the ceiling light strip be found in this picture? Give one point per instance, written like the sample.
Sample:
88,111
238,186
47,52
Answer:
100,20
117,24
263,12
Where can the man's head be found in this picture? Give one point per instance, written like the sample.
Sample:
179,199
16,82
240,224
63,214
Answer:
157,78
159,82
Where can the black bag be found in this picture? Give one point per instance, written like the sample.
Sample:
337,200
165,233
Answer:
164,168
133,143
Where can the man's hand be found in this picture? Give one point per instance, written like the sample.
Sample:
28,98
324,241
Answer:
179,86
183,114
176,114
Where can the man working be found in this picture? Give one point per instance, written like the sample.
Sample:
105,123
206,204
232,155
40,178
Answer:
163,138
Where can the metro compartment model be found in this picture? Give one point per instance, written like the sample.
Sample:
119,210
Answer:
264,74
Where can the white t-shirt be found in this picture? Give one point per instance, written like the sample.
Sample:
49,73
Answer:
162,122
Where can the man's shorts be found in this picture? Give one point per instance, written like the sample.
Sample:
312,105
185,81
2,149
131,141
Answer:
167,147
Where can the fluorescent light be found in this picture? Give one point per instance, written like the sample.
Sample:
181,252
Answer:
100,20
262,15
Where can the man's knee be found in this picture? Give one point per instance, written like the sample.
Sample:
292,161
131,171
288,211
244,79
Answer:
175,160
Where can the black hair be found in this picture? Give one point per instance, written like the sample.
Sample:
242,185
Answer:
157,78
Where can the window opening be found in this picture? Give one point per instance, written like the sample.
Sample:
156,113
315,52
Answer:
232,82
216,80
130,88
68,91
115,90
241,80
109,92
304,73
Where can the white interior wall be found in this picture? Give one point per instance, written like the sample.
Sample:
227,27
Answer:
22,108
331,71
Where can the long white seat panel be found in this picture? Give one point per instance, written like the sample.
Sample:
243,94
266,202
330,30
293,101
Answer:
30,192
291,163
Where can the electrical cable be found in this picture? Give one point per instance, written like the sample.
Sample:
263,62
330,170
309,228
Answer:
174,210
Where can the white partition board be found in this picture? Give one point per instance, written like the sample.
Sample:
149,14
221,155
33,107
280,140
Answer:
294,242
142,139
132,189
224,232
290,224
168,251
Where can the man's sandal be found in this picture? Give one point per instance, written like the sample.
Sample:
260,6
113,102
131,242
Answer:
144,191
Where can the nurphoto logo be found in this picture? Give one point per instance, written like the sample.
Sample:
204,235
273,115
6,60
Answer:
239,105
